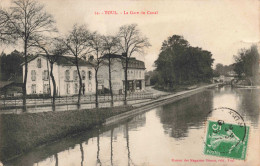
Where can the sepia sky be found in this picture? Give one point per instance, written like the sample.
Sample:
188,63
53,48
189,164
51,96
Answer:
221,27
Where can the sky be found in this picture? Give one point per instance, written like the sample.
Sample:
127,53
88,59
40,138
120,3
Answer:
221,27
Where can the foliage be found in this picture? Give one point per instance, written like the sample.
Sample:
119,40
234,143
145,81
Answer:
247,63
6,32
180,63
223,69
10,65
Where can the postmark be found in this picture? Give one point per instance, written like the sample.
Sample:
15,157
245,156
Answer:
226,134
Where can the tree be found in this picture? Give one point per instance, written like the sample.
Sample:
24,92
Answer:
223,69
110,46
179,63
247,64
28,20
10,65
131,41
170,62
96,44
77,44
53,49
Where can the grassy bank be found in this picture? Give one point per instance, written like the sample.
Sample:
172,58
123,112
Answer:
22,132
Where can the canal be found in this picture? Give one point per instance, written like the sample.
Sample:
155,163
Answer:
166,135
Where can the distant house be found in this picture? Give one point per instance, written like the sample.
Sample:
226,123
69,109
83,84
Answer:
65,74
10,89
135,74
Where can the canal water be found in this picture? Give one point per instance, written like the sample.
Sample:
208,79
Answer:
172,134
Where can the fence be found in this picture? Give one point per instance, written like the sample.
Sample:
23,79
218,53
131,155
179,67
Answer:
67,100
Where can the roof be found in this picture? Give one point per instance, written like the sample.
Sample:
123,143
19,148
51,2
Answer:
5,83
64,61
70,61
132,63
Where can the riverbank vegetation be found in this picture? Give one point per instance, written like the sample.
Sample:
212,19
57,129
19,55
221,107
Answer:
246,65
180,64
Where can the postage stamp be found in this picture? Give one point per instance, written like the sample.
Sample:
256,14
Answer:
227,139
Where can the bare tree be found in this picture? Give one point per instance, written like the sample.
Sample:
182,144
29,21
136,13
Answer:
6,32
77,44
28,20
53,49
131,41
110,46
96,44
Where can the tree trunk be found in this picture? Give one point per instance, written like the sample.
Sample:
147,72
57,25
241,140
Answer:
49,74
126,84
54,87
80,82
96,80
110,82
25,76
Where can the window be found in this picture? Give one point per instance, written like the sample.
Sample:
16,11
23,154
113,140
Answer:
83,88
90,87
45,75
68,88
33,88
76,91
39,63
33,75
83,75
46,88
89,75
138,85
67,75
139,73
75,75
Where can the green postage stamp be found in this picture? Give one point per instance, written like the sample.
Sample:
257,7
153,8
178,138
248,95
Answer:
226,140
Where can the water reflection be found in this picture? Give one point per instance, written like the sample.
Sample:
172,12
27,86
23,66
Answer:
178,117
249,105
153,138
56,159
111,147
245,101
82,153
98,150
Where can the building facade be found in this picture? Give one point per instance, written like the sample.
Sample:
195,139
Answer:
135,74
65,74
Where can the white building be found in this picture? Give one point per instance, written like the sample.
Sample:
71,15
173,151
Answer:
136,74
65,74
